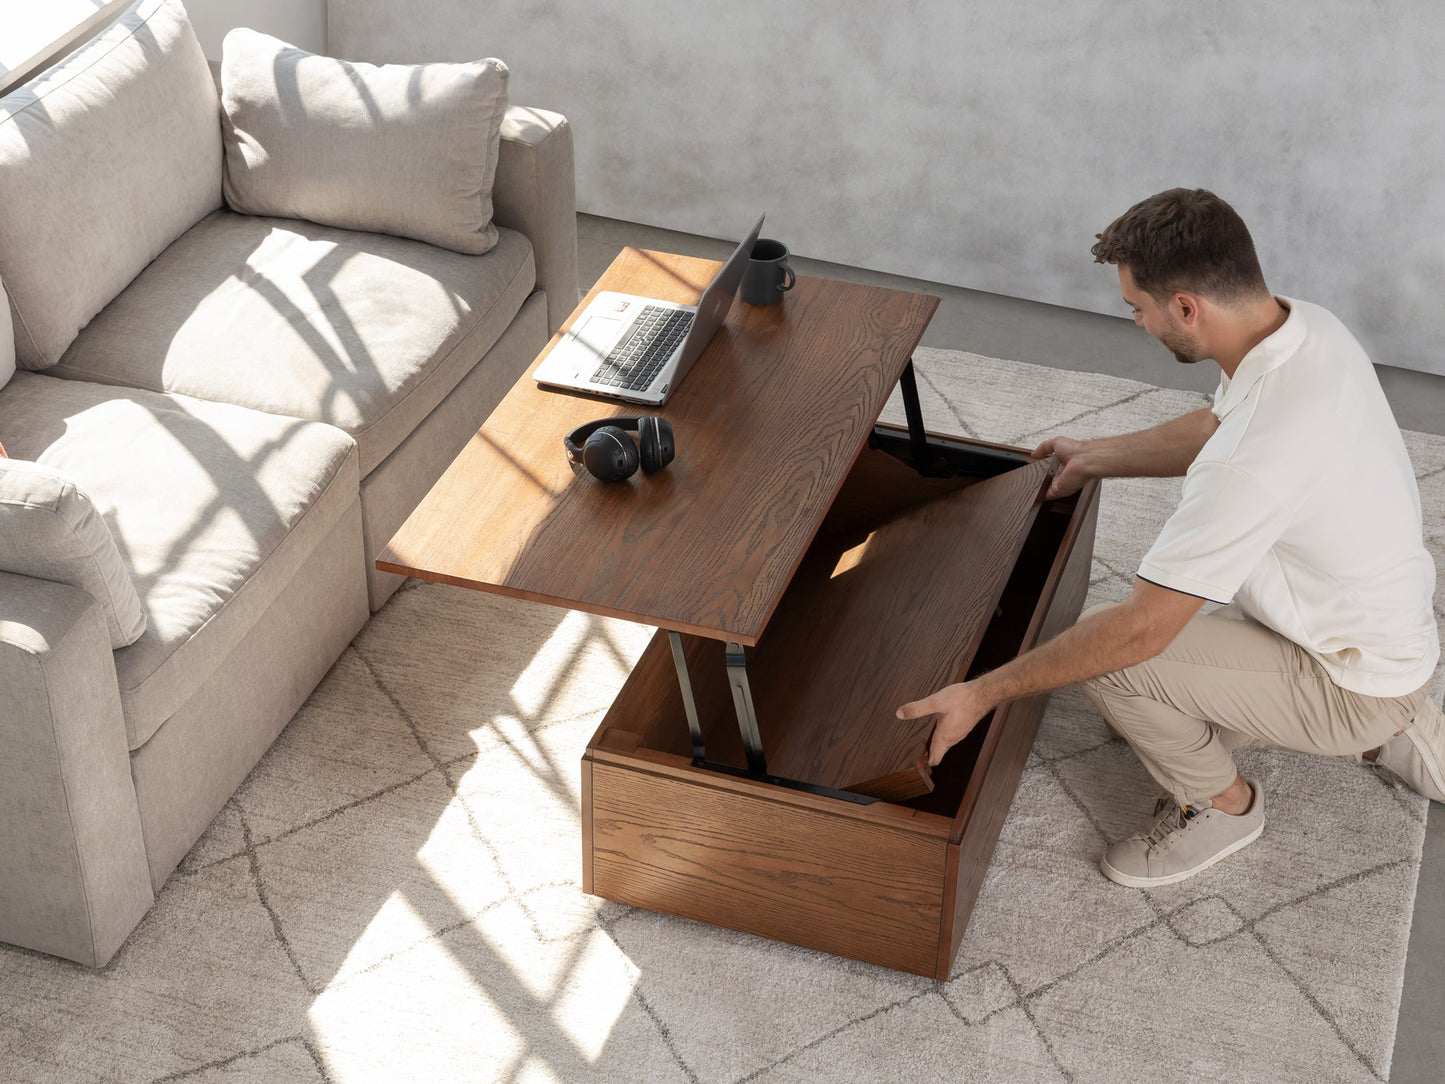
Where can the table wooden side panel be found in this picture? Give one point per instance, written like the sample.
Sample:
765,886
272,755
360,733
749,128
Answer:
766,868
709,544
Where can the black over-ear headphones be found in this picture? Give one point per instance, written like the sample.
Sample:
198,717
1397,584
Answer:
605,449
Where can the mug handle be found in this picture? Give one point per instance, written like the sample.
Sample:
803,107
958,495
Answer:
789,279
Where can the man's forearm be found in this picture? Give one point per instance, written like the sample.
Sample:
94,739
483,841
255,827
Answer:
1165,451
1107,641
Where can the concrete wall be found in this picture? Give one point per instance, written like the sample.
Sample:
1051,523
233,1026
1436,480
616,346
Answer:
300,22
984,144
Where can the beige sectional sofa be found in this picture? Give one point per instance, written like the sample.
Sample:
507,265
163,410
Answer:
216,421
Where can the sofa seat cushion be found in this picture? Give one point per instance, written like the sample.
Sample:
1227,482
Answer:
313,322
213,508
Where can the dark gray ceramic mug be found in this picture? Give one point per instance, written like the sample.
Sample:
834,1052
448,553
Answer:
768,275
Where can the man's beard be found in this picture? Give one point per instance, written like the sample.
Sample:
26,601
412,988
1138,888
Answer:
1182,345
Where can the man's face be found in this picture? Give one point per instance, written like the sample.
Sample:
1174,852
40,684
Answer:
1159,321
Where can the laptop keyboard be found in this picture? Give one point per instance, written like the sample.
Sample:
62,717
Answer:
636,359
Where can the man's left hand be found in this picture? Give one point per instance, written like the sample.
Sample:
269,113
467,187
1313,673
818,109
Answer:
958,707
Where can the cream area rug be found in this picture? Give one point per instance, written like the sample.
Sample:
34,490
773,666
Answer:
393,894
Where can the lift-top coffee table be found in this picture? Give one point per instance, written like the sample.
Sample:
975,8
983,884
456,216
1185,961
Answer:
808,570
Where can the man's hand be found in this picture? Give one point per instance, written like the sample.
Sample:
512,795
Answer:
958,707
1071,475
1165,451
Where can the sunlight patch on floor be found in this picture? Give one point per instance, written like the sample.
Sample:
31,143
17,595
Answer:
395,928
594,993
584,655
417,1022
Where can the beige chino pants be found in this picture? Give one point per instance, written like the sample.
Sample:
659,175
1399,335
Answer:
1225,682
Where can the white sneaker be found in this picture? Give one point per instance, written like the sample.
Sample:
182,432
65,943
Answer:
1182,841
1417,755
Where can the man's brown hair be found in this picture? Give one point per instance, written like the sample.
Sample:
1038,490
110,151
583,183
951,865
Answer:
1184,239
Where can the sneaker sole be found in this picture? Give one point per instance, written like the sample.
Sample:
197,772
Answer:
1128,880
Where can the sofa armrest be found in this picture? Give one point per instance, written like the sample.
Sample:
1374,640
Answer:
535,193
73,874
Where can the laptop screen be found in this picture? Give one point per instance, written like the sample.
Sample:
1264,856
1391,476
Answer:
717,299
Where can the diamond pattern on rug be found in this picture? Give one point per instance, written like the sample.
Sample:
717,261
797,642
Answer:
1226,1011
939,1045
785,996
294,1060
335,753
393,894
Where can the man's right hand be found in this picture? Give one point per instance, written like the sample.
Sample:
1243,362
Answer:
1071,476
1165,451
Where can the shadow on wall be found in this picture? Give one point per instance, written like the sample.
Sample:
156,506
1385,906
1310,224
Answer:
982,145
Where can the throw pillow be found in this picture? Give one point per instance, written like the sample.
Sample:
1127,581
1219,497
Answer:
49,529
105,159
409,150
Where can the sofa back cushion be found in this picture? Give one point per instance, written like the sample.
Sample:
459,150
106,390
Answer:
105,159
49,529
409,150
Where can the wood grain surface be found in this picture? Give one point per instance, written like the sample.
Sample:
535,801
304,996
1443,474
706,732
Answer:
767,424
776,870
890,620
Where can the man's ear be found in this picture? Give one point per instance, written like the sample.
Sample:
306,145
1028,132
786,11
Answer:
1185,307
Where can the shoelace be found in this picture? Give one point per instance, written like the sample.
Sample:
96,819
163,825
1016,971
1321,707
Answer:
1167,826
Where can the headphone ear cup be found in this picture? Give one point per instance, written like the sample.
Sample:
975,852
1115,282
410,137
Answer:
610,455
648,444
666,445
654,438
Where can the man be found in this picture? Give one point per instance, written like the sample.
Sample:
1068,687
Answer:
1299,510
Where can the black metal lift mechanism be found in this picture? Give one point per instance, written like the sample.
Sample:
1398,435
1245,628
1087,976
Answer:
932,457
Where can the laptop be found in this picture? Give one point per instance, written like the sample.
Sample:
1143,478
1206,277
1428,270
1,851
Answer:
639,348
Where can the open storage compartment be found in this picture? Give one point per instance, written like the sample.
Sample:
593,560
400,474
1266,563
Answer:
876,614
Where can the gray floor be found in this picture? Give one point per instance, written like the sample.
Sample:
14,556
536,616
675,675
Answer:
1069,339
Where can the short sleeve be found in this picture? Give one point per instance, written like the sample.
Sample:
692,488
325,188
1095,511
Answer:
1226,522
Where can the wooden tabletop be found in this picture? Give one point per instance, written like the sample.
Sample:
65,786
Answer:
767,423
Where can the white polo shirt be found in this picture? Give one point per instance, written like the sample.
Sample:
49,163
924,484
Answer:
1302,508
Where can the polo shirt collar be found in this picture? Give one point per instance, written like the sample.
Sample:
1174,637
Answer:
1269,353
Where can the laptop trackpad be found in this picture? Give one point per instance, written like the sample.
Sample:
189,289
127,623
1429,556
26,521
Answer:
599,334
